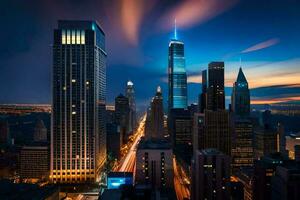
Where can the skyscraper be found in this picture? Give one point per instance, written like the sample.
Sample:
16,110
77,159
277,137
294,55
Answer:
215,90
203,95
132,107
242,140
157,116
177,75
78,139
240,99
122,116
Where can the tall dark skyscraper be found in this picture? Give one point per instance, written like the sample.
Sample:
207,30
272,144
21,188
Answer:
215,90
78,139
122,116
240,99
242,138
177,75
203,95
156,117
132,106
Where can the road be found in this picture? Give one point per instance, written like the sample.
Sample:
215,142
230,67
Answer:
181,182
127,164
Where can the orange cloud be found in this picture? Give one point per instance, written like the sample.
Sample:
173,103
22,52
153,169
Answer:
262,45
274,100
191,12
132,13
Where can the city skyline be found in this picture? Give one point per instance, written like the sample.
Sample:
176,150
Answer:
263,34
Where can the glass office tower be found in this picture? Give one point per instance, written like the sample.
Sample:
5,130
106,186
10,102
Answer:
78,140
177,75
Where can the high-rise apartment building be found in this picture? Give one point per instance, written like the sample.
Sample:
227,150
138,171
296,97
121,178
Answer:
78,139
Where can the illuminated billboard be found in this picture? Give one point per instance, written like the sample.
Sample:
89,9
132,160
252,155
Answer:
116,179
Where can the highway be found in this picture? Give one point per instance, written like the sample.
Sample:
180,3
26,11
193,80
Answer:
127,164
181,182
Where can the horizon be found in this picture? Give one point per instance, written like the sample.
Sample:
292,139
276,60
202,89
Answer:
265,37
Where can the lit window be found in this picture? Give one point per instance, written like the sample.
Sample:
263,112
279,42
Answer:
68,37
73,81
73,37
87,82
73,113
82,37
63,37
78,37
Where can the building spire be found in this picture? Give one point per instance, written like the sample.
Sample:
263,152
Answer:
175,30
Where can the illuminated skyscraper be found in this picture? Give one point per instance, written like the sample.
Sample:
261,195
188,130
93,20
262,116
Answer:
177,75
132,106
240,99
215,90
78,139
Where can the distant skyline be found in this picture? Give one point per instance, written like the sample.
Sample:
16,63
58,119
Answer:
263,33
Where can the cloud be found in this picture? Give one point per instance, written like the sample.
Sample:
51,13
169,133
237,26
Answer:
132,13
262,45
189,13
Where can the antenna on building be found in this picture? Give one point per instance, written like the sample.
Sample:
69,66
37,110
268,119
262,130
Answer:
241,62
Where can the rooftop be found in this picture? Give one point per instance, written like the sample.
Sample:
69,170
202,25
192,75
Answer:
154,144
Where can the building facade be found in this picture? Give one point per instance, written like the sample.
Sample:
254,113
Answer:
154,164
130,94
34,162
122,116
180,127
78,139
215,90
202,98
210,175
157,116
217,131
242,143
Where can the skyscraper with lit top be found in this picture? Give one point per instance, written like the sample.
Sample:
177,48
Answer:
177,79
78,140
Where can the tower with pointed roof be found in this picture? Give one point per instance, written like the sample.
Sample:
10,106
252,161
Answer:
240,98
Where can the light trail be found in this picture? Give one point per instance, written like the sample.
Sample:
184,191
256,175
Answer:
128,163
180,184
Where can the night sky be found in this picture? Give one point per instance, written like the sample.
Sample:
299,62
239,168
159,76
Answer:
265,34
